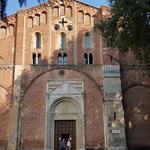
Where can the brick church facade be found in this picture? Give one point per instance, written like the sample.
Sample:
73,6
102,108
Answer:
61,80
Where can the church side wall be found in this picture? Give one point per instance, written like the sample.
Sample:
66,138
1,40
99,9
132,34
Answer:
7,47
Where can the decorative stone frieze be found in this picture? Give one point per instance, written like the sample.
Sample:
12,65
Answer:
59,2
37,9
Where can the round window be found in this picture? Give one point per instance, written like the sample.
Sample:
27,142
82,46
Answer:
70,27
56,27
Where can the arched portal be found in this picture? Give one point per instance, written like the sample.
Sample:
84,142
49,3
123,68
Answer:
65,117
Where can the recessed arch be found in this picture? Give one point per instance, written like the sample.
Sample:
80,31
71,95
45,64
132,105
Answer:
80,16
3,32
64,68
69,11
93,19
135,85
87,40
11,30
87,19
136,106
65,109
63,40
43,17
37,20
56,11
38,39
67,99
62,10
30,22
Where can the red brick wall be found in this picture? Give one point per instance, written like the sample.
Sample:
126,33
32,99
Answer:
137,113
136,93
34,104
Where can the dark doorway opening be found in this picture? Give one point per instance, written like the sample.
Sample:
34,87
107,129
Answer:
65,136
65,129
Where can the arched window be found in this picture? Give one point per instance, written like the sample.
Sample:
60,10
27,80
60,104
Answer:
3,32
30,22
63,40
87,40
90,58
37,40
80,16
69,12
60,59
36,58
65,59
62,10
85,58
87,19
39,58
11,30
43,17
37,20
56,11
93,20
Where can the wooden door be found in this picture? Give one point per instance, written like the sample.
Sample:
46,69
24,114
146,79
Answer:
65,129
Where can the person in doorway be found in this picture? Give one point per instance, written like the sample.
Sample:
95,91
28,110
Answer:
62,145
68,144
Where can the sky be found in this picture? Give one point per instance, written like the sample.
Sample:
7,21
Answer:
13,5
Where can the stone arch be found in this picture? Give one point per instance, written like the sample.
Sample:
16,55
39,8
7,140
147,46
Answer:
87,19
43,17
65,108
64,68
69,11
137,112
56,11
135,85
37,20
36,100
93,20
80,16
62,10
30,22
72,100
11,30
3,32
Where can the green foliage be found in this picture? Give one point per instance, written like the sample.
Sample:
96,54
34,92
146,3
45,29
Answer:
3,4
129,27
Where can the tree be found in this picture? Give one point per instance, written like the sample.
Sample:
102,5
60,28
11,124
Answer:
3,5
129,27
